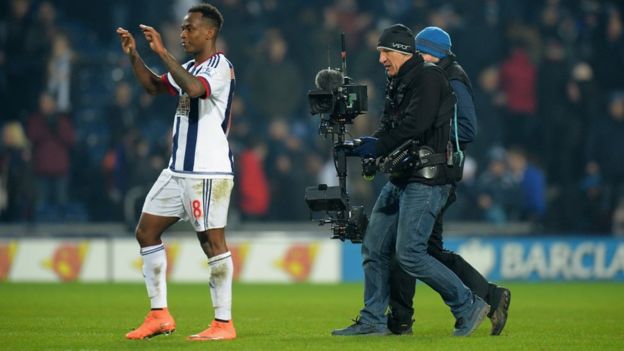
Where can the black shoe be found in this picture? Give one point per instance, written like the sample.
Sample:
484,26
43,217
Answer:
499,315
468,323
361,329
400,327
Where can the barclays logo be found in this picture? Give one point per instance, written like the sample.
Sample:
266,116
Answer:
579,258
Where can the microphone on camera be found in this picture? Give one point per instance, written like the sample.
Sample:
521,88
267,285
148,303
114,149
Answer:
328,79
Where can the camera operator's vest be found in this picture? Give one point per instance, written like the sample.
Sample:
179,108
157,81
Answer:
463,127
454,71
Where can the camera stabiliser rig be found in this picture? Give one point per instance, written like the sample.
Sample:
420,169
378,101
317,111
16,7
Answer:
337,100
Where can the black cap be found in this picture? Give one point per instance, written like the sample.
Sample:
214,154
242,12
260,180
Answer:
397,38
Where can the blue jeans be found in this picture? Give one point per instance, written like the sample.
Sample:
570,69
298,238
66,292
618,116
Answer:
400,224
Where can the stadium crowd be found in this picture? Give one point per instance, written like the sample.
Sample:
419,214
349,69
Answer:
81,142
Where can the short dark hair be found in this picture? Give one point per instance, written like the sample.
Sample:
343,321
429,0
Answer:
210,13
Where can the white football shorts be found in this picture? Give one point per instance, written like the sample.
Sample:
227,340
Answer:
203,202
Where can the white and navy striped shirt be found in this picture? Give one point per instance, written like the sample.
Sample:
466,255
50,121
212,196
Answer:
201,125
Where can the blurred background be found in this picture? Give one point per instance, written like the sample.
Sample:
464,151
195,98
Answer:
81,143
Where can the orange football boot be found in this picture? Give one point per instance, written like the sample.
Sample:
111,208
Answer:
216,331
157,322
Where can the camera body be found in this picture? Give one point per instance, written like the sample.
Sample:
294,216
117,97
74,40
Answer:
345,101
337,99
348,222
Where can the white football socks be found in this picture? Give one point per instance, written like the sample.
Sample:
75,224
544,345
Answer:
221,273
155,274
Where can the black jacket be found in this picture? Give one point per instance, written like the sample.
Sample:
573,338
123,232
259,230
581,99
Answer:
419,105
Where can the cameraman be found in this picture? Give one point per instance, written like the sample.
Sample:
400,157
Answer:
418,106
434,45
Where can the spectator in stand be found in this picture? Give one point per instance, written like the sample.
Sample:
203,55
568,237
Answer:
16,182
517,81
144,165
609,50
122,114
586,104
60,71
484,19
276,86
25,49
141,166
488,101
153,122
595,216
286,169
52,138
578,206
283,184
46,21
604,155
365,69
554,118
497,194
566,102
351,21
254,197
532,185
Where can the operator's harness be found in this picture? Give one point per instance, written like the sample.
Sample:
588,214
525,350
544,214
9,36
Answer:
412,156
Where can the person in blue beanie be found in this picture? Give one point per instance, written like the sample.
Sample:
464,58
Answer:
418,109
434,45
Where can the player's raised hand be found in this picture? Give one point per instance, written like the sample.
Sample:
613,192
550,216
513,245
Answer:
128,44
153,37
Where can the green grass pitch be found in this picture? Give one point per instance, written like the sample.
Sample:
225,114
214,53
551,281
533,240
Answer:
546,316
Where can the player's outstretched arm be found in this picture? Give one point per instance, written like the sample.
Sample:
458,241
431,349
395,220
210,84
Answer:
150,81
191,85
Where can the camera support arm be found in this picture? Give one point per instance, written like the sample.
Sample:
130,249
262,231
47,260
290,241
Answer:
340,158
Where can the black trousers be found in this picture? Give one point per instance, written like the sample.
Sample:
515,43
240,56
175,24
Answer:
403,285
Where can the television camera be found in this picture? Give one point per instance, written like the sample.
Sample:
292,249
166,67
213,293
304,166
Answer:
337,100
